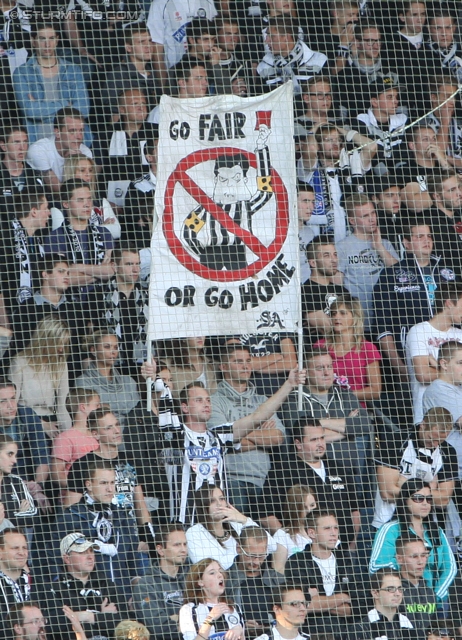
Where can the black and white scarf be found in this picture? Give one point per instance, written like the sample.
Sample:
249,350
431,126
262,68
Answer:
97,251
168,417
113,319
447,55
21,253
19,588
102,518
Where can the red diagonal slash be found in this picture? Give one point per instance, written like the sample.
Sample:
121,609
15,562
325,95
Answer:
251,241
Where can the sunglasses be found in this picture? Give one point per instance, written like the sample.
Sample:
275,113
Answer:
419,498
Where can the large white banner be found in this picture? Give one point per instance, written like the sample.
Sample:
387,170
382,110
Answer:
225,249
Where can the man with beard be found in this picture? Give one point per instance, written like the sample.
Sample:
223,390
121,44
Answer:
203,236
346,424
26,622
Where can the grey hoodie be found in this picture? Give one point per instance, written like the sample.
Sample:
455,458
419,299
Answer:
228,405
120,394
156,597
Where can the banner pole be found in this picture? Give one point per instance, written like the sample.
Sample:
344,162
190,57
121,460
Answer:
300,364
149,380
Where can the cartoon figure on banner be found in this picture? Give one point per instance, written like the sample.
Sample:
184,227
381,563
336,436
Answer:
203,235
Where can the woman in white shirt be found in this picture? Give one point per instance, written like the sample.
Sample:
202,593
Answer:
218,525
207,612
293,536
41,376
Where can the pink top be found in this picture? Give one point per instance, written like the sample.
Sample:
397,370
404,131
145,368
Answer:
72,445
354,364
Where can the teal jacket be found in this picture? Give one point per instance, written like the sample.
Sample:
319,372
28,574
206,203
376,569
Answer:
441,566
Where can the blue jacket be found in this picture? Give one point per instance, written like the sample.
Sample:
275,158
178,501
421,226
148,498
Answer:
28,79
441,566
402,299
27,430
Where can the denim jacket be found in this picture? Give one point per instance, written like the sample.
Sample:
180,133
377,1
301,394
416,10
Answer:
27,79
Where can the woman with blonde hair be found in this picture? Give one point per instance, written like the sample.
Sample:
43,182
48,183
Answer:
293,537
355,360
131,630
206,612
41,376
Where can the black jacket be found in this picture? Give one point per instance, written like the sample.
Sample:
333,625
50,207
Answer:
337,492
66,590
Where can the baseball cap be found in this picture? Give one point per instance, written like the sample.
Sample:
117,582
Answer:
75,542
383,82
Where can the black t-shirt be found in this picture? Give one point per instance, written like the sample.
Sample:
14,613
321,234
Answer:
407,170
10,186
416,461
319,297
336,490
413,460
447,238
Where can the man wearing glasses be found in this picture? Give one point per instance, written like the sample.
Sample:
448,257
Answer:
365,60
290,607
384,620
251,580
26,622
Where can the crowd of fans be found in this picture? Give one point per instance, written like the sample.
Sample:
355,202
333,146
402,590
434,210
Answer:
231,507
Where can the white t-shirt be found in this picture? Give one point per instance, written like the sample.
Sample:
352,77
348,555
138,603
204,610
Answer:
192,618
293,546
424,340
202,544
275,635
167,21
43,156
416,40
328,568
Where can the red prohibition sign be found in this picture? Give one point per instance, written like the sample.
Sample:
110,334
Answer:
265,254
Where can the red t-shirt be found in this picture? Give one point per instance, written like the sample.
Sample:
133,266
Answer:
353,365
